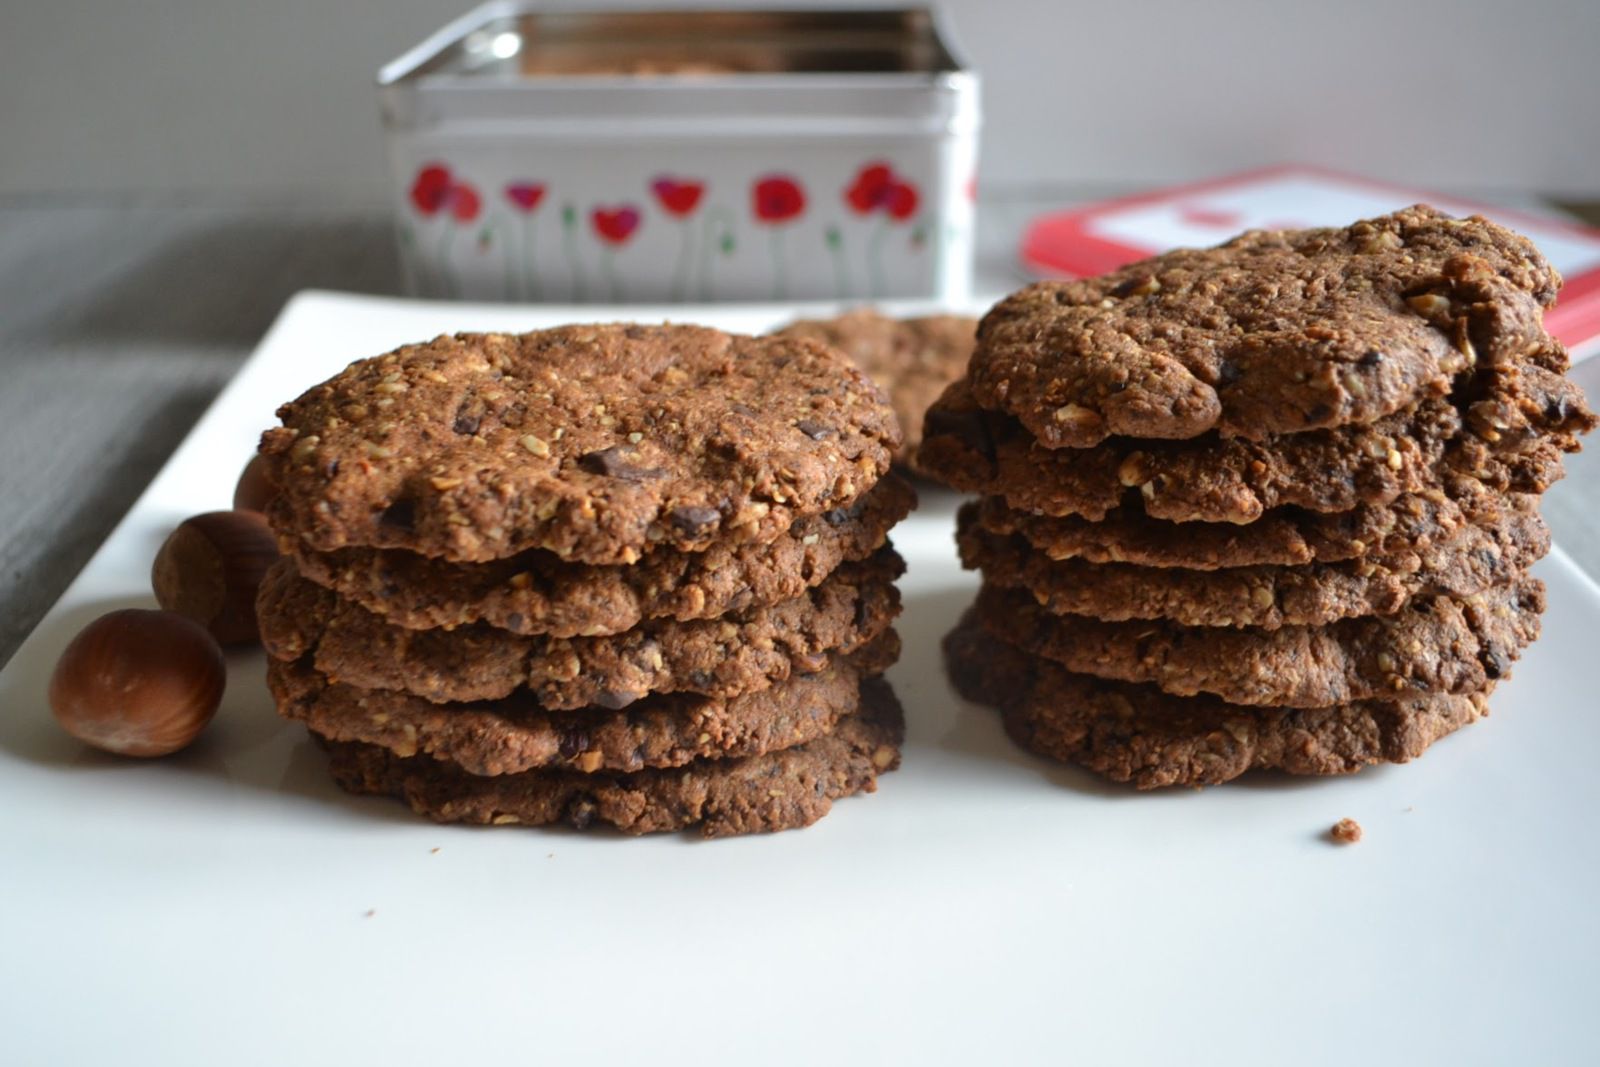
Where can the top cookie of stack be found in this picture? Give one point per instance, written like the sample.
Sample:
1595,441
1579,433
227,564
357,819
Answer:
657,553
1296,471
912,359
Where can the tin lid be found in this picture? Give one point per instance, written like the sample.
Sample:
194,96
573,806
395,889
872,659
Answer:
518,63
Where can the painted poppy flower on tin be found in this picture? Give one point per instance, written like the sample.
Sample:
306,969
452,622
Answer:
877,187
872,183
525,196
615,225
431,189
435,189
678,197
464,202
901,201
777,198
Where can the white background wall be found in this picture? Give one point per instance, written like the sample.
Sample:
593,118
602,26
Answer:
275,96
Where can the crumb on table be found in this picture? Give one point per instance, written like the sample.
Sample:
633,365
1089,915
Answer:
1346,831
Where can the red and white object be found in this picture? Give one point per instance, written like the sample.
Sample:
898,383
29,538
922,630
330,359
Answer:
1103,236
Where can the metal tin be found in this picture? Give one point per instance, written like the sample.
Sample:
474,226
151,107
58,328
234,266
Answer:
559,154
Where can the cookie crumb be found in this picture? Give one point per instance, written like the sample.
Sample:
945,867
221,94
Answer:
434,851
1346,831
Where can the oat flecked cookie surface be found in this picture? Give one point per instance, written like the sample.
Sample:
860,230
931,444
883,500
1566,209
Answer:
1436,644
1152,739
1472,560
1512,440
723,657
515,735
596,443
1408,525
781,790
536,593
1270,333
913,359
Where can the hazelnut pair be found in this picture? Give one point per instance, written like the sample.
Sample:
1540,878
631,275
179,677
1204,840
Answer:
146,683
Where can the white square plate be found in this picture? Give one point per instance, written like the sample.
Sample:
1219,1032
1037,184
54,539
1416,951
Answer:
229,905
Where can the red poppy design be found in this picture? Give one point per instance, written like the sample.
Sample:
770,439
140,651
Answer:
678,197
615,225
525,196
436,189
878,187
902,201
431,188
464,202
778,198
871,186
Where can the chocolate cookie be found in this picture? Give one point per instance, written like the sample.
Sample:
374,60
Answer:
1471,560
595,442
516,735
1270,333
1287,537
1139,734
1216,479
536,593
723,657
913,360
1436,644
781,790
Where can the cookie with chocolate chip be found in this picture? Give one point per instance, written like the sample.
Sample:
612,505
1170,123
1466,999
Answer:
1471,560
1141,735
913,359
1435,644
724,657
1274,332
596,443
780,790
538,593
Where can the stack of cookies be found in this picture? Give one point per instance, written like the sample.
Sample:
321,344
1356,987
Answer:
619,574
1268,505
913,359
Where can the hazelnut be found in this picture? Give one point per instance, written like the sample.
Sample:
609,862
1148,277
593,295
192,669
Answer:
138,682
254,492
210,569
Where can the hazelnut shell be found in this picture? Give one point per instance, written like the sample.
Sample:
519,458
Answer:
210,569
138,682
